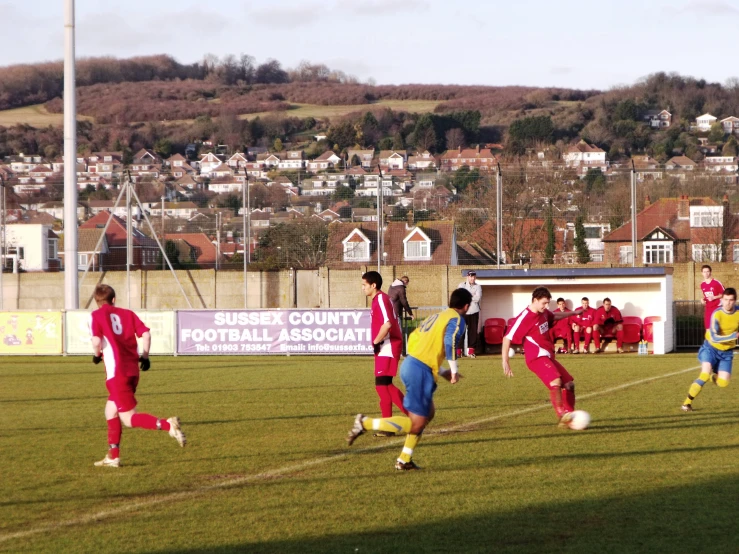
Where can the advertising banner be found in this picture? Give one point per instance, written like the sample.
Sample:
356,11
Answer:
161,323
34,332
301,332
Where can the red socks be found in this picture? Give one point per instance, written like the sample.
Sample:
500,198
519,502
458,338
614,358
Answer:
386,403
114,437
620,339
146,421
397,397
389,395
555,396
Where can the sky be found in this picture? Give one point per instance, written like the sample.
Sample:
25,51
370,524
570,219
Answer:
564,43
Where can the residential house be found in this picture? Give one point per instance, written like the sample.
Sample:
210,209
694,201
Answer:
209,162
479,158
392,159
524,240
704,122
194,248
675,230
647,168
724,167
180,210
422,161
658,119
56,210
292,159
237,161
31,247
730,125
587,156
91,247
364,157
355,244
145,254
176,160
327,160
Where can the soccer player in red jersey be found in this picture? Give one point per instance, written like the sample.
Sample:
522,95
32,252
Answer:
712,290
608,320
114,331
531,329
562,329
387,341
583,323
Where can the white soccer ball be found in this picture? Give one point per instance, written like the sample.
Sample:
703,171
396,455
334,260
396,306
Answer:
580,420
511,352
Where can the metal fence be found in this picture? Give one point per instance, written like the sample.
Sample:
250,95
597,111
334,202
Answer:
689,323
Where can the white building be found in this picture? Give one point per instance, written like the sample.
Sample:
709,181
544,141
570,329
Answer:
704,122
33,247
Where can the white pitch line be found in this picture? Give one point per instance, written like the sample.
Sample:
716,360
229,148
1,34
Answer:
173,497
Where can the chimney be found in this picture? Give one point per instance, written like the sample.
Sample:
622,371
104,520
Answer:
459,148
478,148
647,201
683,207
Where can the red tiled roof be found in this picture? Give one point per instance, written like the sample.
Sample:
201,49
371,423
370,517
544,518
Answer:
205,250
663,214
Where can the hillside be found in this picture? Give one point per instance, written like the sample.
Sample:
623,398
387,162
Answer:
155,102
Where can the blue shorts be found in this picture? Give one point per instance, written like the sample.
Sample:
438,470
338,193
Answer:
720,360
419,386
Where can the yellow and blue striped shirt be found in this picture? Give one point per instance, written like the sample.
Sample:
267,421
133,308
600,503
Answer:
437,339
722,332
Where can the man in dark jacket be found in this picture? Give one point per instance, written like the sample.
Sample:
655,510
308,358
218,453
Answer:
396,292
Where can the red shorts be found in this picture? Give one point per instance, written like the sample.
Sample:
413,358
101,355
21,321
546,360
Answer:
385,366
548,369
121,393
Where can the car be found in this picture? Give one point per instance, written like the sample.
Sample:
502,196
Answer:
11,340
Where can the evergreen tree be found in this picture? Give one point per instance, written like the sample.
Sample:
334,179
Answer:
581,247
549,249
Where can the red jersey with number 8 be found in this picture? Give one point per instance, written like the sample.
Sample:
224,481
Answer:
118,329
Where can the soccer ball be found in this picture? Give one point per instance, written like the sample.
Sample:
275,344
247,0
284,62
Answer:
511,352
580,420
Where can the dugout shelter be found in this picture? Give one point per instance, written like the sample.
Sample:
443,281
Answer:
636,291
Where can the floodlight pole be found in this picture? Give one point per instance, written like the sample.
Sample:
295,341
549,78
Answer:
71,288
498,214
164,263
129,240
633,214
380,245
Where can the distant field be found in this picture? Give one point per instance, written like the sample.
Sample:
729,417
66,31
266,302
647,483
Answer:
313,110
36,116
267,468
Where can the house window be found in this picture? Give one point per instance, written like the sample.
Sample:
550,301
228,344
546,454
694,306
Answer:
657,252
82,261
736,254
625,255
356,251
706,253
707,217
417,250
52,249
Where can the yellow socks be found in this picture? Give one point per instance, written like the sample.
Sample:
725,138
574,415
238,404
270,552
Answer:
407,452
696,387
398,424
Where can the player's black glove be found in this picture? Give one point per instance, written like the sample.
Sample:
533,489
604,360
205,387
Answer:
377,347
144,363
97,359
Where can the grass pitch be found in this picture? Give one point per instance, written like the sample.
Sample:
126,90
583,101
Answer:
267,470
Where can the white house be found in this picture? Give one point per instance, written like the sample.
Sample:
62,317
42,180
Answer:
34,246
704,122
730,125
325,161
584,154
658,120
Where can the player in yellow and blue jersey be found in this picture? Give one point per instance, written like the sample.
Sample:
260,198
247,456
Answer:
717,352
435,340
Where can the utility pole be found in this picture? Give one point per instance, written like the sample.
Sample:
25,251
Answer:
244,217
380,217
164,262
